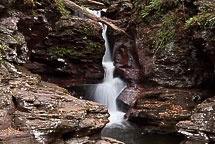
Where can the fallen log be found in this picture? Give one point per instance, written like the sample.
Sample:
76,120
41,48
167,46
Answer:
76,7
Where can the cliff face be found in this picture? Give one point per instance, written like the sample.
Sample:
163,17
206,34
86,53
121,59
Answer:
167,61
60,49
64,50
34,111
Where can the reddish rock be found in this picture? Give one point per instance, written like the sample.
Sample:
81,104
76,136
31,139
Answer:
160,109
125,59
128,97
33,111
200,128
70,54
58,48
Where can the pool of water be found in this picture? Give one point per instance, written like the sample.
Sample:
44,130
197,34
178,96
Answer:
132,134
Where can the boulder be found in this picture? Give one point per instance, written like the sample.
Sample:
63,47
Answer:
33,111
184,66
59,48
159,109
200,128
13,46
71,53
126,60
128,97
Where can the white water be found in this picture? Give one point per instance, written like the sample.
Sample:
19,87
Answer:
107,91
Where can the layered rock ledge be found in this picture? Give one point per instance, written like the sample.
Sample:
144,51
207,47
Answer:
159,109
200,128
33,111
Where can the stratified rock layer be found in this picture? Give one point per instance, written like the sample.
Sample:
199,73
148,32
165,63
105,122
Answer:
33,111
62,48
160,109
200,129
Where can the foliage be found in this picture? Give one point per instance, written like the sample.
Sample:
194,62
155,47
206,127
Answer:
166,32
156,8
2,48
86,47
61,7
106,1
205,19
153,6
58,51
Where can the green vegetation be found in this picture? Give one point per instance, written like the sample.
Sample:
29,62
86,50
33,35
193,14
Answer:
106,1
81,30
205,19
156,8
85,48
2,48
61,7
12,1
166,32
58,51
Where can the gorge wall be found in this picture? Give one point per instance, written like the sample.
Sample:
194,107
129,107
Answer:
167,60
168,63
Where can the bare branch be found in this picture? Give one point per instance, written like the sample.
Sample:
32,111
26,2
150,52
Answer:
74,6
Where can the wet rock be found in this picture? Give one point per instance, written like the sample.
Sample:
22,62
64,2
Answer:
104,140
48,113
125,59
186,66
33,111
128,97
13,46
120,10
73,46
123,47
160,109
60,49
200,128
180,63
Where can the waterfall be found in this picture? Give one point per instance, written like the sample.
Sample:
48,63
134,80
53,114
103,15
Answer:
110,88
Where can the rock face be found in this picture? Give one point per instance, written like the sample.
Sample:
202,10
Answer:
160,109
13,46
58,48
70,54
64,50
33,111
185,67
165,63
200,129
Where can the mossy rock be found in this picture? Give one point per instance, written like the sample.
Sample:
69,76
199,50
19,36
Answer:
76,38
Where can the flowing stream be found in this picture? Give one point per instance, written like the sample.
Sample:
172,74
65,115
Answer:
107,92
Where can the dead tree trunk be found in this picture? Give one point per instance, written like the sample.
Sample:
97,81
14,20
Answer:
74,6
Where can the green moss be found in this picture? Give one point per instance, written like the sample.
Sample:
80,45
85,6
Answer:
2,48
84,49
12,1
156,8
166,32
105,1
205,19
58,51
61,8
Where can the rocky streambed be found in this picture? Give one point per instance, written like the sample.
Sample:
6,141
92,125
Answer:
166,59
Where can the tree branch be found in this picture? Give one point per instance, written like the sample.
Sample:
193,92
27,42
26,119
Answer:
74,6
95,2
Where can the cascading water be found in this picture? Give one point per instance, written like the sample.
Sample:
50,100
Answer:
107,91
